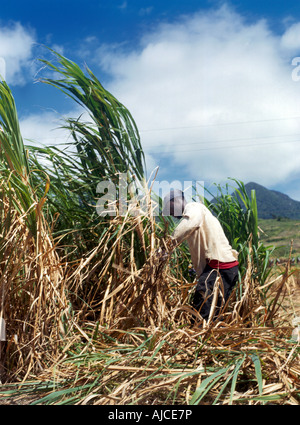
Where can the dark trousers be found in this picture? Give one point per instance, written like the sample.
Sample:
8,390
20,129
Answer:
203,296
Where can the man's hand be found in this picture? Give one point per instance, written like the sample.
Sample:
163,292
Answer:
162,253
171,244
192,271
165,251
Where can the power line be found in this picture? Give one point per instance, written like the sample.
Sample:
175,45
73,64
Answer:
218,124
221,147
213,142
204,142
232,140
200,125
200,142
216,141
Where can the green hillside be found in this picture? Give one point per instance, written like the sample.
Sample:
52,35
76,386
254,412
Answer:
279,233
273,204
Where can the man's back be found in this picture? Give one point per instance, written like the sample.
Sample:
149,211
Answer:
205,236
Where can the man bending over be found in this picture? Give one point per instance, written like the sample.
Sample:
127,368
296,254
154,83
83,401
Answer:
210,250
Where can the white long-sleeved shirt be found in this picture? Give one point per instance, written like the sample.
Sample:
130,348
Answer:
204,235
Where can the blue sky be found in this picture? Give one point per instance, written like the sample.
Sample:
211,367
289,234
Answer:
209,83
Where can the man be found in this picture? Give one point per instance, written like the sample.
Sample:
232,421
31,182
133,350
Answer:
211,253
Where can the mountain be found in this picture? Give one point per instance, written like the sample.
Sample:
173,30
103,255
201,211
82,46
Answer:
274,204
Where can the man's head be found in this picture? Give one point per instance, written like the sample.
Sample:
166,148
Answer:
174,203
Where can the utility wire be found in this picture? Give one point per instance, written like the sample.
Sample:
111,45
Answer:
204,142
206,125
218,148
216,141
218,124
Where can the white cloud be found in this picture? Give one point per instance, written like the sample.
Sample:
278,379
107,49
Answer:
16,44
2,68
291,38
43,129
197,75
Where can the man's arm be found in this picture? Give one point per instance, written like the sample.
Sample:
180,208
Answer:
190,221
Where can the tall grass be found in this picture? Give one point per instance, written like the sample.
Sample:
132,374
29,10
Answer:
50,229
32,298
138,348
105,142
